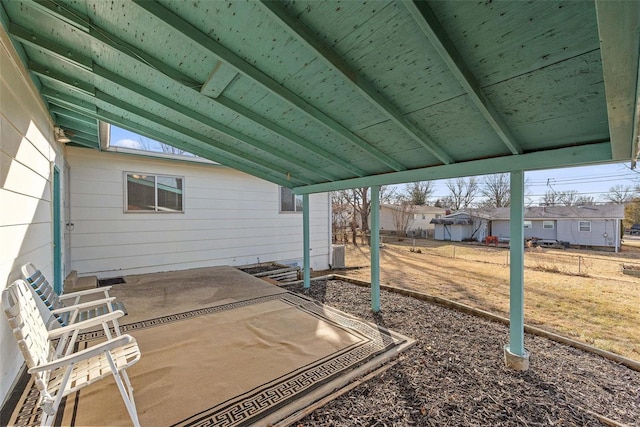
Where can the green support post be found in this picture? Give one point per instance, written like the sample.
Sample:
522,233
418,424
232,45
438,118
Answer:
306,246
515,354
375,248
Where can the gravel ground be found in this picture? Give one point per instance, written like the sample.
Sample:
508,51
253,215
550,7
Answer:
455,374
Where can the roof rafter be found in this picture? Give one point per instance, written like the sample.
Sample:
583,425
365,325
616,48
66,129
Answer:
548,159
364,87
82,107
438,37
78,60
75,18
222,53
205,120
207,142
82,119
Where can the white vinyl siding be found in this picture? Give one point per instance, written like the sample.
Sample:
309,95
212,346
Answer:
500,228
229,218
603,232
27,155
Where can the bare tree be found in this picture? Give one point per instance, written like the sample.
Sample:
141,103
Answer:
496,189
157,146
358,203
585,201
463,193
620,194
418,193
632,213
551,198
569,198
341,214
402,213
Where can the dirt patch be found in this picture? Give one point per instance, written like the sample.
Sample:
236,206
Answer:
455,374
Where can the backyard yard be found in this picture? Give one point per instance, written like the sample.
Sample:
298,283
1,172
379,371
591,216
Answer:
580,294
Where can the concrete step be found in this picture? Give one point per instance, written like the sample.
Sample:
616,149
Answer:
74,283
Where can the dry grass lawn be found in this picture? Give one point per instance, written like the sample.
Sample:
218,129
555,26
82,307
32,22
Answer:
598,305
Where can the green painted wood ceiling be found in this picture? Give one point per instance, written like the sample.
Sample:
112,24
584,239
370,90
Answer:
320,95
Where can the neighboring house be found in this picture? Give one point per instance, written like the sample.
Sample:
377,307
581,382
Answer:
592,226
67,208
419,224
461,226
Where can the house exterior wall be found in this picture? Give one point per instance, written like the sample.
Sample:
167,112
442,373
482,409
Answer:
28,154
230,218
422,221
386,219
500,228
569,231
456,233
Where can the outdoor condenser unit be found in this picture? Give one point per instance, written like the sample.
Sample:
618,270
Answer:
338,257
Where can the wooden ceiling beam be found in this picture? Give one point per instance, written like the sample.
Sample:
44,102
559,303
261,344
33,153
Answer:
582,155
433,30
222,53
356,80
204,148
66,13
57,51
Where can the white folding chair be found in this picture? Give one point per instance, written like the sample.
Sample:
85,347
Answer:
57,376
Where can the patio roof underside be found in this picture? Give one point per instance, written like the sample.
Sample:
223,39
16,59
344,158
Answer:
318,96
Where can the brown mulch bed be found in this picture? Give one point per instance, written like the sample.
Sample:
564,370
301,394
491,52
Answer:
455,374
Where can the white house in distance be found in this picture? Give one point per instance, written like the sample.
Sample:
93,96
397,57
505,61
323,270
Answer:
591,226
110,214
419,223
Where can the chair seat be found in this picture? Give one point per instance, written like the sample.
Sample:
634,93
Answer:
93,369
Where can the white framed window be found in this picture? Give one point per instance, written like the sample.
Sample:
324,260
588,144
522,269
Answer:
584,226
290,202
145,193
548,224
424,216
527,224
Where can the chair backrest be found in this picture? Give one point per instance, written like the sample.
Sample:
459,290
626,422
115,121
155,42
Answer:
28,327
45,291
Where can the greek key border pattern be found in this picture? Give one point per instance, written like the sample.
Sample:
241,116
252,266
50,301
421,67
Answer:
159,321
242,410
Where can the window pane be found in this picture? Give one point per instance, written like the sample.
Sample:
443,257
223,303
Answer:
547,224
169,194
140,193
286,200
299,203
527,224
585,225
